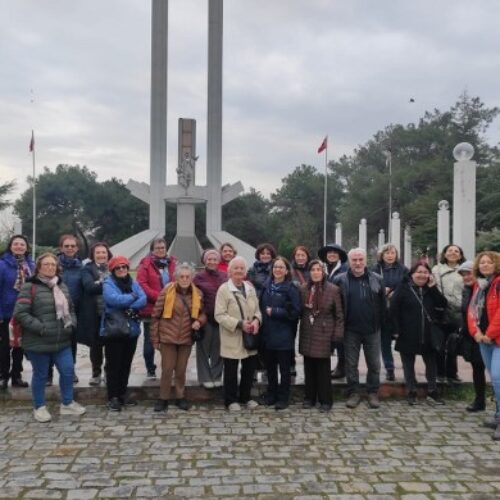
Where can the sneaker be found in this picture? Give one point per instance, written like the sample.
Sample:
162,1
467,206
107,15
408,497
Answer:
234,407
454,380
390,376
151,376
161,405
496,434
114,404
183,404
208,385
476,406
412,398
42,414
73,408
218,383
353,400
95,380
373,401
307,405
433,398
252,404
281,405
19,382
325,408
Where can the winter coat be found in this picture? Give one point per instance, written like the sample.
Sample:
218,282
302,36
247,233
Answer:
258,274
8,277
209,282
451,285
227,314
333,271
278,329
316,339
470,348
411,322
115,299
72,277
149,278
35,310
392,275
89,314
377,295
177,329
492,312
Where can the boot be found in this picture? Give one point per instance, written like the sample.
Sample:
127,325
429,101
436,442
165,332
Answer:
476,405
339,372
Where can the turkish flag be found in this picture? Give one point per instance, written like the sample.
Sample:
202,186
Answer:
324,144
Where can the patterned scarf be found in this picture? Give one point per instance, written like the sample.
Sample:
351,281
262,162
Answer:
23,272
62,305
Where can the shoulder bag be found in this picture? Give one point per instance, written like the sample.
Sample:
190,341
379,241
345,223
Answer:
250,340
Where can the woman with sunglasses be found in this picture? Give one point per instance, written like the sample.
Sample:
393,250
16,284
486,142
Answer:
121,293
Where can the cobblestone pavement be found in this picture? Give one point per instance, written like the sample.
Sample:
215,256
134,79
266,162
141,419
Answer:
393,452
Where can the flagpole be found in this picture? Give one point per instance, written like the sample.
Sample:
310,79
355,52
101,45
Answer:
34,192
325,195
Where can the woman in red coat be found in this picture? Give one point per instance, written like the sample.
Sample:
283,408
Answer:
155,272
483,317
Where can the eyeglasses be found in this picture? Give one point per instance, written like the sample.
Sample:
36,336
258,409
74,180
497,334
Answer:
120,268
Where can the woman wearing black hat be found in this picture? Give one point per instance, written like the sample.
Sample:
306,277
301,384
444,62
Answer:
335,259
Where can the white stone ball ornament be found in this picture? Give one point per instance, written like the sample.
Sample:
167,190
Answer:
463,151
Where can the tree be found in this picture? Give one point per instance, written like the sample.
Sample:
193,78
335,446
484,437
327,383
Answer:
6,188
422,171
71,198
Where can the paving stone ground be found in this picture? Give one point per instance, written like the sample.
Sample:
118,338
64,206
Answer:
394,452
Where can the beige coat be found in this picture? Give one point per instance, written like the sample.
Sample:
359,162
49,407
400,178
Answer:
227,314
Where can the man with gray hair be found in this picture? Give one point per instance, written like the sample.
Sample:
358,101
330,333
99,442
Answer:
363,297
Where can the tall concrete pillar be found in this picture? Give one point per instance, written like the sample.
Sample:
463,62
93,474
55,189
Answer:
443,225
407,247
363,235
464,199
396,231
338,233
158,125
214,116
381,239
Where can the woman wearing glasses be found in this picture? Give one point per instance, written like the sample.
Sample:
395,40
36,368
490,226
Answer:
280,307
120,293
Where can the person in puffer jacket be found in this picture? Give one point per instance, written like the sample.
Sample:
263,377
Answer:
121,292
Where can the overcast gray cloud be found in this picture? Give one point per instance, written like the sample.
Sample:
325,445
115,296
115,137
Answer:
294,70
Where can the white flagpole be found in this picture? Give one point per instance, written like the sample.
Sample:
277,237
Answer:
34,192
325,195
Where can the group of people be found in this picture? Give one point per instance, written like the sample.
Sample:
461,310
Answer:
244,319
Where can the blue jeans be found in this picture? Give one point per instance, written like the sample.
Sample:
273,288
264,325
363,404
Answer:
40,362
148,351
491,357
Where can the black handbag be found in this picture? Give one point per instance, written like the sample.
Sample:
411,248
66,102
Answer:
250,341
196,335
116,324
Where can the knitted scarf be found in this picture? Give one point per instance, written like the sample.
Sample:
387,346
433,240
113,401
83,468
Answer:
61,302
23,271
170,296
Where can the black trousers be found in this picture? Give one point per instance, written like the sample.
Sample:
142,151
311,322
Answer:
479,379
5,350
231,379
97,357
447,362
340,355
318,382
408,361
119,355
274,360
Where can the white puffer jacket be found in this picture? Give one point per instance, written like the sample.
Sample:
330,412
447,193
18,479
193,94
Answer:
450,284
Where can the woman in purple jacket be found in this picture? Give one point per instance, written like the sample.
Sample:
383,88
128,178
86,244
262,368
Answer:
208,361
16,266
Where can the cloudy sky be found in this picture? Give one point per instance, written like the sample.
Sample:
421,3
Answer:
78,72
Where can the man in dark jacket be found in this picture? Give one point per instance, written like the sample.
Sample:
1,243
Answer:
363,297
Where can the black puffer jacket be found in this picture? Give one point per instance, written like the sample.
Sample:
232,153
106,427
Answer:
35,310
